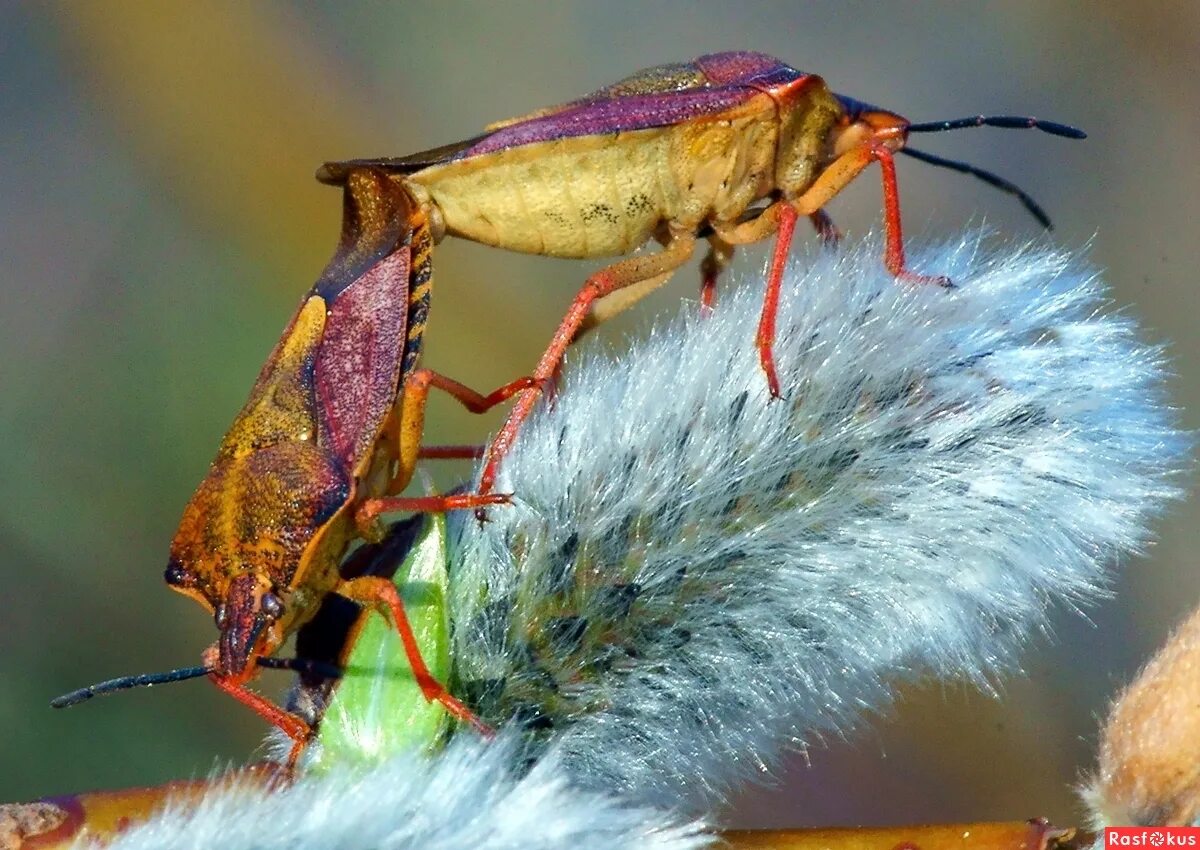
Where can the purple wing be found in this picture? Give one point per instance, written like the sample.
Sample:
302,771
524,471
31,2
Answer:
358,364
655,97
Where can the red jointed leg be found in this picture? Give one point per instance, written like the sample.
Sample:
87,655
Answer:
373,590
372,508
450,452
718,258
409,423
604,282
708,293
596,287
765,340
893,257
285,721
474,401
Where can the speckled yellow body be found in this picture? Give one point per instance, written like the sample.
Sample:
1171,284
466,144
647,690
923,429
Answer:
319,435
601,195
275,503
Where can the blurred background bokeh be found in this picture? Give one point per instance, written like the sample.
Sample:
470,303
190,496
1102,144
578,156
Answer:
159,221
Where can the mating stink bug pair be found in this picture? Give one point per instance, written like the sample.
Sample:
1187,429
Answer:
730,148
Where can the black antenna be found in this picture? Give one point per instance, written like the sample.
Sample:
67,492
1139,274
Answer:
145,680
987,177
1008,122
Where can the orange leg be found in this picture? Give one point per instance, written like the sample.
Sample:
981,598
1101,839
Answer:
755,230
779,218
619,275
381,593
285,721
765,338
604,309
708,292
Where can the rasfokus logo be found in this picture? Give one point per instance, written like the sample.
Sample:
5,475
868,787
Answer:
1151,836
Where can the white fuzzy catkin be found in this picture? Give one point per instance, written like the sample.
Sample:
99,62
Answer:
693,577
471,795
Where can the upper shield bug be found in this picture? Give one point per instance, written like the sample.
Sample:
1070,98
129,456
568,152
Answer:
731,147
328,439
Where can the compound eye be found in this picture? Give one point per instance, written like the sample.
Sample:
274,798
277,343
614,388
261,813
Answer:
272,605
221,617
175,575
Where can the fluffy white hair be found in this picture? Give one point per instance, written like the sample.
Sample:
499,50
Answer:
694,576
470,795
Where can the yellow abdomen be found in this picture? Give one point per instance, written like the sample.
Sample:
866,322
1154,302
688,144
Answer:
586,197
598,196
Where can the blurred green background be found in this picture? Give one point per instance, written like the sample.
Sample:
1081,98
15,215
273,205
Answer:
159,221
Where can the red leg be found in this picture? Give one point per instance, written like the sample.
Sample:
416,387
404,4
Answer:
765,340
474,401
376,591
546,369
718,258
708,293
779,218
285,721
893,257
604,282
450,452
838,174
409,423
372,508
